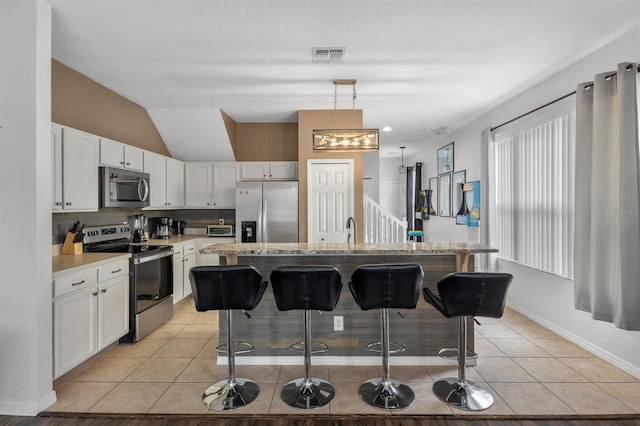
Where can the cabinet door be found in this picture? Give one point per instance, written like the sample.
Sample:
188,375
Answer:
283,170
113,310
189,262
224,185
197,185
175,183
111,153
254,170
80,153
156,166
133,158
178,273
74,329
56,167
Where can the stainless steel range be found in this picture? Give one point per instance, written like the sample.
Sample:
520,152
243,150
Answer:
150,277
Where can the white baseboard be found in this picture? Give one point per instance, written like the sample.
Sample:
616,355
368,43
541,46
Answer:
342,360
585,344
10,407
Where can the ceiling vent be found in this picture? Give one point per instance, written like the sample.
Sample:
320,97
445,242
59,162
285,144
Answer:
328,55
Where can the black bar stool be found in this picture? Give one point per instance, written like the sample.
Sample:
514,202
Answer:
466,295
395,286
229,288
309,288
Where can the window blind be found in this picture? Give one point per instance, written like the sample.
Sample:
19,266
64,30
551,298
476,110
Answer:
534,187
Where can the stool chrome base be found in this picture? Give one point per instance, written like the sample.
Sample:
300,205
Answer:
313,393
223,396
465,395
391,394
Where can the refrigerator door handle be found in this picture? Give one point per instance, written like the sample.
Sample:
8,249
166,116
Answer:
265,228
259,224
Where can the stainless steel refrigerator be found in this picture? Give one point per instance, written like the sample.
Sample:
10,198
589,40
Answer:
267,212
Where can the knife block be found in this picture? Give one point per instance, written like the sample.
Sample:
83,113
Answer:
69,247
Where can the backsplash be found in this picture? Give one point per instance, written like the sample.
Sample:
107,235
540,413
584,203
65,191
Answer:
62,222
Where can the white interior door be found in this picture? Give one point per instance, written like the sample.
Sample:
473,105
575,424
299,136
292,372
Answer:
329,200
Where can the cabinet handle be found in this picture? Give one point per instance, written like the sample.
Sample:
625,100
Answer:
128,164
191,249
68,203
116,271
58,203
94,294
78,283
122,162
104,290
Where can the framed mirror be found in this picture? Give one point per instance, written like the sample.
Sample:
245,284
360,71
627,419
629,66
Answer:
433,186
457,179
444,195
445,159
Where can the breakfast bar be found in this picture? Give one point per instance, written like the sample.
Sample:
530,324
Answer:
422,331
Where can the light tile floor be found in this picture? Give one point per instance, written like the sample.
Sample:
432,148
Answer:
528,369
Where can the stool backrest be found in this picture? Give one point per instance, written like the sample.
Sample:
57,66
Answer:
481,294
315,287
386,286
226,287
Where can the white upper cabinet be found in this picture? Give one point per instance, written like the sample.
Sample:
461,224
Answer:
166,179
197,185
117,154
224,176
175,183
264,170
210,185
56,167
75,169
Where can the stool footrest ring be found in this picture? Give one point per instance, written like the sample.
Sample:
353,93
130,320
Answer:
299,347
452,353
249,347
373,347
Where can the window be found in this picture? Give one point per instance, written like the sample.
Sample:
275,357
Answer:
534,186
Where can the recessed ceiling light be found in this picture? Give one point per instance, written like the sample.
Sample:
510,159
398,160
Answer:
386,129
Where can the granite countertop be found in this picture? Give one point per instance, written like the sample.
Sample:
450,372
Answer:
177,239
68,263
344,248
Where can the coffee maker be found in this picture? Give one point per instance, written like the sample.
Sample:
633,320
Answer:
160,227
139,223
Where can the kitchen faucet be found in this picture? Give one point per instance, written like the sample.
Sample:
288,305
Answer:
349,222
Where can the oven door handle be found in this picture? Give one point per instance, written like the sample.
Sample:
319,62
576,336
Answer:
139,260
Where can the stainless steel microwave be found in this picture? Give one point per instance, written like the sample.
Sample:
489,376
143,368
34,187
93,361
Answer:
123,188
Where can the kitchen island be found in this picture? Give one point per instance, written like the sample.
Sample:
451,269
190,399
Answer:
423,331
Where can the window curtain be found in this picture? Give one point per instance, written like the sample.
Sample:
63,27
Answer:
607,178
487,262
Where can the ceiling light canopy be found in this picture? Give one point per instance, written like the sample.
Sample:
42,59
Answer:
345,140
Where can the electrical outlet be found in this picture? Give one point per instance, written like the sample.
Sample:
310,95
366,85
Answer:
338,323
220,221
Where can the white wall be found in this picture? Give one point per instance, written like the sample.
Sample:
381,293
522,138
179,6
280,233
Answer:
392,187
25,188
541,296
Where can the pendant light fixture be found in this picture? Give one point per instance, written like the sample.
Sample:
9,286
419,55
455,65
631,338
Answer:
345,140
402,169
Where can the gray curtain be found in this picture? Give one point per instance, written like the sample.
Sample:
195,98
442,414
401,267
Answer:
607,200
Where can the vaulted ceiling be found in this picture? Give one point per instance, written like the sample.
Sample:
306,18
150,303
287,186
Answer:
420,65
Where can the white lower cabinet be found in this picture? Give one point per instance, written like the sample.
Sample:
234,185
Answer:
178,274
90,312
184,258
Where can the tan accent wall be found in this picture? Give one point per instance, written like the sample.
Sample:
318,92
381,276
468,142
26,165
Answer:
231,126
308,120
81,103
266,142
